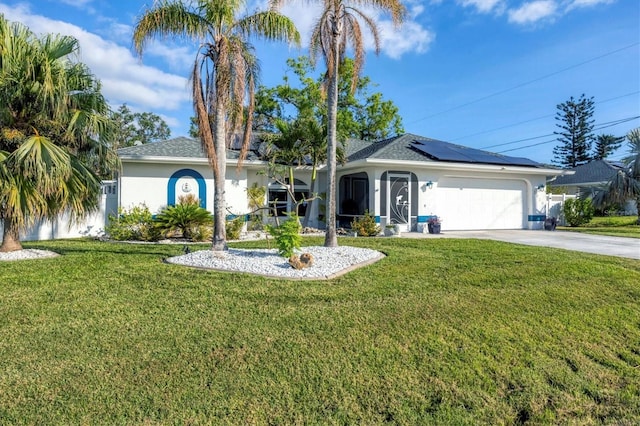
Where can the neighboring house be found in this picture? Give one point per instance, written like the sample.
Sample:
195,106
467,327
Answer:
590,176
403,180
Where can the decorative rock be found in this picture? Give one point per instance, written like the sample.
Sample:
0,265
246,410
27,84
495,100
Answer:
304,261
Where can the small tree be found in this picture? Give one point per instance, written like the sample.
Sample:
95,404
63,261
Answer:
287,235
606,145
139,127
575,120
578,211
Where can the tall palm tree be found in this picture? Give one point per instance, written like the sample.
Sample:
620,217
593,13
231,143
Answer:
223,76
338,28
51,111
625,184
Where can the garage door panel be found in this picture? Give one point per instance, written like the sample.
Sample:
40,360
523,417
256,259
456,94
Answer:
473,204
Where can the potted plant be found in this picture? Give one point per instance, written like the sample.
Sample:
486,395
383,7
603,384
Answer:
391,229
433,224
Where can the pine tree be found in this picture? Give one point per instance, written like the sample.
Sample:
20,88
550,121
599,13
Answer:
576,135
606,145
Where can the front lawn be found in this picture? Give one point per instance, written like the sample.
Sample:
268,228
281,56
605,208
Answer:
617,226
444,331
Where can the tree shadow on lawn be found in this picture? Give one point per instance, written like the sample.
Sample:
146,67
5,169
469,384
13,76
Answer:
70,247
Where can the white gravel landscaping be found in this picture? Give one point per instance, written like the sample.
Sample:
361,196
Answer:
328,262
27,254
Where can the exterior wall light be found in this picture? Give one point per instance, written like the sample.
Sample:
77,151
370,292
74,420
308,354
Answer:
427,185
540,187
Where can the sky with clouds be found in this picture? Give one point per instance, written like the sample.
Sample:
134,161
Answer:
482,73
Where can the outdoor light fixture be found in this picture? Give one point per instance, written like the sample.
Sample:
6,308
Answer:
540,187
427,185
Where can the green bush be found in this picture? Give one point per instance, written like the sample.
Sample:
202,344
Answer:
234,228
287,235
578,211
186,217
366,225
136,224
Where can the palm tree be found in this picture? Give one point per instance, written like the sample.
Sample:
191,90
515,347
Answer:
286,148
51,114
336,29
223,76
625,184
315,147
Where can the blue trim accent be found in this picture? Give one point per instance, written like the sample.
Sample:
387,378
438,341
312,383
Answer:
377,218
425,219
536,218
173,180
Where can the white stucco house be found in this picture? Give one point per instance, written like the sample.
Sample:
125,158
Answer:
403,180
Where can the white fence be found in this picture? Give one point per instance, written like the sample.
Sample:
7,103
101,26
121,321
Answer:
92,225
555,202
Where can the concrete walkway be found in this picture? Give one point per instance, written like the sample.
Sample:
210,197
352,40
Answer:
598,244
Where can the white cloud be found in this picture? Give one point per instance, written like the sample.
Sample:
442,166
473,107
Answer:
533,11
81,4
411,37
484,6
575,4
124,78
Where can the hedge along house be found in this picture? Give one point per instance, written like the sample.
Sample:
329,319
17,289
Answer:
403,181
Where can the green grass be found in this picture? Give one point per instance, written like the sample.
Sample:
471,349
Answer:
617,226
441,331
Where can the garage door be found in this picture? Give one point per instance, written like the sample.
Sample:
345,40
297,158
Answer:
472,204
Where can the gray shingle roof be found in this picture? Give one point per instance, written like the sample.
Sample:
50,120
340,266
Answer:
397,148
400,148
593,172
179,147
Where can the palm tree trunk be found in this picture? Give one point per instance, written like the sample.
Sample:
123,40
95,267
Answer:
10,237
330,238
219,201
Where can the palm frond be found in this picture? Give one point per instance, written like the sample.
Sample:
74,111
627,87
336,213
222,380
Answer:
169,19
269,25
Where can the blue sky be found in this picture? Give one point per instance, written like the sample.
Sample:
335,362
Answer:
482,73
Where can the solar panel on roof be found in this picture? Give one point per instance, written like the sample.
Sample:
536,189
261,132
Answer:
439,151
445,151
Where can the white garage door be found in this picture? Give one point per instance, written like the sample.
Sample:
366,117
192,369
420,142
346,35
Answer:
471,204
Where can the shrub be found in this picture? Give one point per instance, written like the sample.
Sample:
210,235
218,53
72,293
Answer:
578,211
202,233
366,225
234,228
186,217
136,224
287,235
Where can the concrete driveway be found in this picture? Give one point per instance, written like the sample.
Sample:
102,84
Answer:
598,244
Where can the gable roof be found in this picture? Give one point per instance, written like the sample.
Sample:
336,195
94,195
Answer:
594,172
409,147
180,147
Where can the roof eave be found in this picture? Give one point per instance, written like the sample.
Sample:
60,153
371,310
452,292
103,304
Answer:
183,160
460,166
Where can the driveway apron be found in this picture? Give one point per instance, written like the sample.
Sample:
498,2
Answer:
598,244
